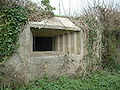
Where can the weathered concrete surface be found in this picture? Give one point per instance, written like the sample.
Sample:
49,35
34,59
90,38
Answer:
54,65
56,23
38,64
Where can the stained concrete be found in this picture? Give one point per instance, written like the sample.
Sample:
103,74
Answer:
51,63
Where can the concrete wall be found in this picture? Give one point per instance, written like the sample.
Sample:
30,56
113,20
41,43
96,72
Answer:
68,43
38,64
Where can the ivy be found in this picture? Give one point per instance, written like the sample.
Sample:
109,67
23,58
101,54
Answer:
12,19
91,41
110,50
110,44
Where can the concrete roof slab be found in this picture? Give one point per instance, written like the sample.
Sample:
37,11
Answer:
55,23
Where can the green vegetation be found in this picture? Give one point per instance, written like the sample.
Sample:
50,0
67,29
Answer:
111,49
48,8
92,30
12,19
96,81
101,32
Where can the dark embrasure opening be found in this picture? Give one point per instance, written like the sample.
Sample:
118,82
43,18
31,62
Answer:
42,43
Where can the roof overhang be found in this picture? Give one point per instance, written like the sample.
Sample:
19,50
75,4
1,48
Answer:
58,23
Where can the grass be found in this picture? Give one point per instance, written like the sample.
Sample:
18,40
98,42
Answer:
97,81
106,79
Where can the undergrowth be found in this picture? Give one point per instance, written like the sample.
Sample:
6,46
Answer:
99,80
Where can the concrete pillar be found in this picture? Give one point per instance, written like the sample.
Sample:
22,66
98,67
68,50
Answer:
61,43
69,43
72,42
64,45
75,42
57,43
78,43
